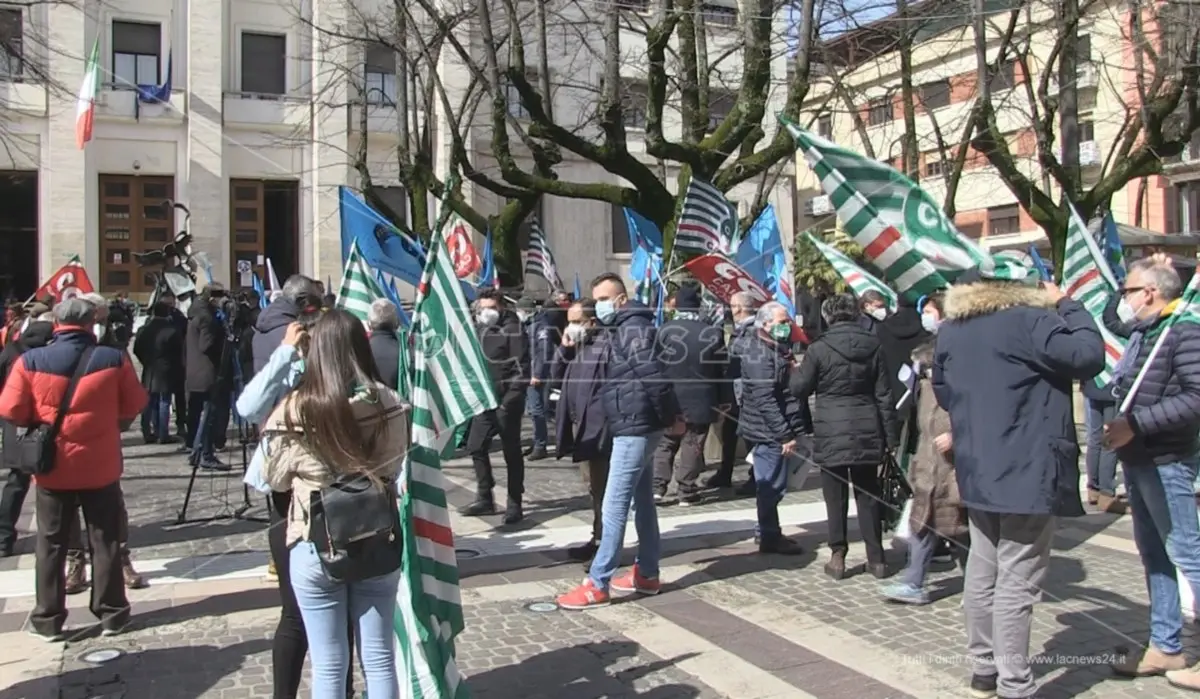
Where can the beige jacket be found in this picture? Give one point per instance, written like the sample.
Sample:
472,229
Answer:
290,466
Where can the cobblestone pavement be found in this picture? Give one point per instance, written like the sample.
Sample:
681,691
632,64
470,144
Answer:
731,624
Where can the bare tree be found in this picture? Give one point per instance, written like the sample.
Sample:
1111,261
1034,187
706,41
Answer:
571,80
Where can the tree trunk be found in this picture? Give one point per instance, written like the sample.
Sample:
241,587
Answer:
1068,98
910,153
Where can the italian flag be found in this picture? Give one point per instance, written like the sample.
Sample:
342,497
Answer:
85,109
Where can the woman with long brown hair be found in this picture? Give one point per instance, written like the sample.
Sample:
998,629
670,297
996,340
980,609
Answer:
340,423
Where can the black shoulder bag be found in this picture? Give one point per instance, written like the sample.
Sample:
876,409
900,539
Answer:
355,526
35,449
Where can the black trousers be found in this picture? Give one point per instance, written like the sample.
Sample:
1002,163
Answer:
689,447
835,486
16,487
102,512
181,411
505,424
291,643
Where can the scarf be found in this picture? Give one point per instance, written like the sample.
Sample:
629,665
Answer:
1128,357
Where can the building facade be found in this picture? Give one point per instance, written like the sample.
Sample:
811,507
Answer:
869,108
262,127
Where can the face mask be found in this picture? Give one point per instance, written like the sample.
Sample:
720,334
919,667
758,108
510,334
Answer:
878,313
781,332
1125,311
606,311
576,332
929,323
487,316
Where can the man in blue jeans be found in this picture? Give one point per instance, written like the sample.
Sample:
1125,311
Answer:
639,405
1156,440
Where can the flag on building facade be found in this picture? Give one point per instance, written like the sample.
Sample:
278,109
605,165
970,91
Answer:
1088,279
707,221
858,279
451,384
85,107
70,280
359,287
539,260
900,228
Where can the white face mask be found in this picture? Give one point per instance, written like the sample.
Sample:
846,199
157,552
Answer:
878,313
576,332
487,316
929,323
1126,312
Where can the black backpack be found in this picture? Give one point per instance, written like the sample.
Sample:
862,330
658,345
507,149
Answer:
355,526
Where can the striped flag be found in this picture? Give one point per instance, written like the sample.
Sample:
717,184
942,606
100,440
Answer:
85,106
450,385
539,261
858,279
359,287
897,224
1088,279
707,221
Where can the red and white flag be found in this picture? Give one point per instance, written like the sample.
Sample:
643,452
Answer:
70,280
463,254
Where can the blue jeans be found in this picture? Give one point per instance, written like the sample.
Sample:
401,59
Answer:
770,479
535,408
921,545
156,417
630,479
1167,535
1101,462
326,607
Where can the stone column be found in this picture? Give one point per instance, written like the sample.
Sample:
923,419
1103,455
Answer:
203,184
321,245
63,183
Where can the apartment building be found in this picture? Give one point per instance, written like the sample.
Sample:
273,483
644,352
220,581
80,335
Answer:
261,128
945,76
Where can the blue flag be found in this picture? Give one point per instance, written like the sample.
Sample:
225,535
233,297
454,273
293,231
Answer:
762,255
1039,264
257,284
487,277
645,245
382,245
1114,252
578,290
389,290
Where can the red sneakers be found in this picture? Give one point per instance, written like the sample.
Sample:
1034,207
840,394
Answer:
586,596
634,582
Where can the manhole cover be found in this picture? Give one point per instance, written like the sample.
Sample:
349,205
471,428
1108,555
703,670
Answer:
542,607
466,553
101,656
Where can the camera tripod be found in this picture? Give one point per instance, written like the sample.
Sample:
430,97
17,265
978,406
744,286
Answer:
247,435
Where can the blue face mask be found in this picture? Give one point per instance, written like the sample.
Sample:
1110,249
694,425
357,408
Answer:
606,311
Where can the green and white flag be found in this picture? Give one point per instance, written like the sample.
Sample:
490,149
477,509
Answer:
900,228
858,279
451,384
359,288
1088,279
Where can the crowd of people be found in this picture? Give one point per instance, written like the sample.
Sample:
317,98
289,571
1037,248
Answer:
982,374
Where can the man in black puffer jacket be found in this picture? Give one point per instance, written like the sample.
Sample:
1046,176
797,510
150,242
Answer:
772,420
639,405
1156,440
504,344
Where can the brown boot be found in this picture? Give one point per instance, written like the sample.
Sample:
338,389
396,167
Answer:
1150,662
836,567
1185,679
1111,504
77,580
133,579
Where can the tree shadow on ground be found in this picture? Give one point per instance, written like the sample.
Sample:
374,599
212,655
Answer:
183,672
580,672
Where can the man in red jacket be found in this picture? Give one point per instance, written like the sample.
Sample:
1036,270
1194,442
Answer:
87,463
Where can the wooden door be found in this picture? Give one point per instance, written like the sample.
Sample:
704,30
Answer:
247,242
132,219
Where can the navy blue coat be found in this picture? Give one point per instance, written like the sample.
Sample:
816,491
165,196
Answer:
1165,414
770,414
1004,366
580,426
638,398
694,360
541,338
269,330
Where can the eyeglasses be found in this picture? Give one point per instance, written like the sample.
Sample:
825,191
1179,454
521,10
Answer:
1131,289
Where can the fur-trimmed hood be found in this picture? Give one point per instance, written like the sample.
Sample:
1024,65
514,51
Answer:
966,301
